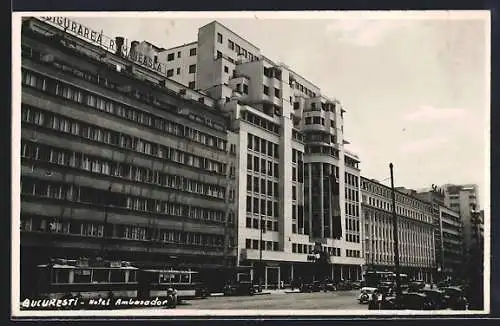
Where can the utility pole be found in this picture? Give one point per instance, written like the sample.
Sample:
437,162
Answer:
395,235
261,267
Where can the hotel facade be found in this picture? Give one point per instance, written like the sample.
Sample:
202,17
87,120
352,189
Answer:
298,188
117,160
416,231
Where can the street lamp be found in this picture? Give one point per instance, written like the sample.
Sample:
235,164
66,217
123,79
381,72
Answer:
395,234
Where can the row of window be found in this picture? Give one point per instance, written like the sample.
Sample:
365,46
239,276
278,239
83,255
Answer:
352,195
320,137
265,245
318,149
379,189
352,209
75,193
171,56
350,162
352,224
239,89
309,249
351,179
262,206
266,225
236,48
126,112
402,211
258,186
260,122
315,169
352,237
263,166
318,121
128,232
276,91
102,80
106,136
352,253
262,146
121,170
301,87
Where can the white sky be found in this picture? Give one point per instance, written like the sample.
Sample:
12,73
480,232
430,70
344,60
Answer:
416,89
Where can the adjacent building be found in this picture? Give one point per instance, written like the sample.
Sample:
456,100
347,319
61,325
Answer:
448,235
465,199
294,177
117,160
417,253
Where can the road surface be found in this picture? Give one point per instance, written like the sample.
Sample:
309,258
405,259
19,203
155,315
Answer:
338,300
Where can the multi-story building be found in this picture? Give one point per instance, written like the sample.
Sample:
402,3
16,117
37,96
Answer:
447,234
464,199
295,178
415,230
118,160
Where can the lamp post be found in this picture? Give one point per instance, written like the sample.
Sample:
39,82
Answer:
261,267
395,234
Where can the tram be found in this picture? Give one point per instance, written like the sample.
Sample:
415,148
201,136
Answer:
90,279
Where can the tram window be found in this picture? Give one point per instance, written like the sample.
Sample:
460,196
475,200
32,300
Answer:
176,278
132,277
82,276
184,278
60,276
165,277
117,276
100,276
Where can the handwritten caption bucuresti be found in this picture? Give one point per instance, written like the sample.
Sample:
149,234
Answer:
80,303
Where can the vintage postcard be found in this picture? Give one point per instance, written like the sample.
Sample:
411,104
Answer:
251,163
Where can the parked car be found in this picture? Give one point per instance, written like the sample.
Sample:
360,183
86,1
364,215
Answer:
344,286
239,288
455,298
356,285
437,297
366,295
311,287
408,301
416,286
328,285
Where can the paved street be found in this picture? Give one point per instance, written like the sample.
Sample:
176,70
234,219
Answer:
318,300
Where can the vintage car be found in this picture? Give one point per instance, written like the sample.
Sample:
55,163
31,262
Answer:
455,298
408,301
315,286
416,286
366,294
356,285
239,288
437,298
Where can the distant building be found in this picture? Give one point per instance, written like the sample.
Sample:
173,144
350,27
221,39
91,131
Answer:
415,230
448,234
464,199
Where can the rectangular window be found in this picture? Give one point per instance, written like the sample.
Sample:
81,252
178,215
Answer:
219,37
266,90
170,72
192,52
170,57
178,71
192,69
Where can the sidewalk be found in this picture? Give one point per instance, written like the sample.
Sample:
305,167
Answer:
264,292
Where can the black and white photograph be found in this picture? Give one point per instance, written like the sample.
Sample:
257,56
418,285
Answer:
250,163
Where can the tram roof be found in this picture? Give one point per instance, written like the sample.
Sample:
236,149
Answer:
169,271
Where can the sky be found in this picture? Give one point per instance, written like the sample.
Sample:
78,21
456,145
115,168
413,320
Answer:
415,88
